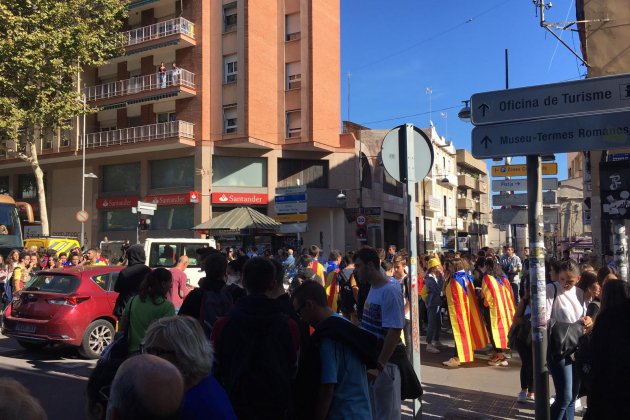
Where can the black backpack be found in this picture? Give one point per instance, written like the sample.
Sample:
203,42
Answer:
214,305
347,303
258,378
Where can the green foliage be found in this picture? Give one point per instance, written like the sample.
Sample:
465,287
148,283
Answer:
44,44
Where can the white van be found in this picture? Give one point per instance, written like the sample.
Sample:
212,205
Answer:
164,252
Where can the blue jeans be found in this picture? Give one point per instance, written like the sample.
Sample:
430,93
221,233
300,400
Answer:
515,287
434,324
567,387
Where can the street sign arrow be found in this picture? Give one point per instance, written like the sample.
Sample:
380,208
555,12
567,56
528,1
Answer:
594,95
521,184
558,135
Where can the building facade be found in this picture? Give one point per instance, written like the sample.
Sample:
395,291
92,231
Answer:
221,101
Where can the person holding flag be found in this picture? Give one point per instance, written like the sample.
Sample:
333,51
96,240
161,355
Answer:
498,299
469,331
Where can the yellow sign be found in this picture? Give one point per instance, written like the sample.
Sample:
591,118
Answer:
521,170
289,218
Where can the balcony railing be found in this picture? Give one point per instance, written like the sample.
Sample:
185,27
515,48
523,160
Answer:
159,131
160,30
140,84
465,181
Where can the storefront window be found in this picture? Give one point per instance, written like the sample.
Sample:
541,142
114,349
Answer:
173,217
312,173
27,186
173,173
4,185
123,178
239,171
118,220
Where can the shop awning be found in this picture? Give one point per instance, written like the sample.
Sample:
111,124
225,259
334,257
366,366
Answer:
240,221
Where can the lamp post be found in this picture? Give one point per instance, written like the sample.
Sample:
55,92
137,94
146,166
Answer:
83,174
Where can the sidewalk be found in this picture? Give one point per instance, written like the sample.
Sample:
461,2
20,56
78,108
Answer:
472,391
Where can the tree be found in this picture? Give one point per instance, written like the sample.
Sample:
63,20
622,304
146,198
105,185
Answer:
44,46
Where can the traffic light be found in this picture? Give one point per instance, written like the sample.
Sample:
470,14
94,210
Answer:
145,223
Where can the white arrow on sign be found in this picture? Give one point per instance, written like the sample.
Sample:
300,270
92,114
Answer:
596,95
519,216
549,197
556,135
521,184
286,208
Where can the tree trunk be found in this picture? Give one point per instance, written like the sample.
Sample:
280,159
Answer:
41,191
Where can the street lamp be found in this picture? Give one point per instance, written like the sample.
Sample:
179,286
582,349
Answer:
84,175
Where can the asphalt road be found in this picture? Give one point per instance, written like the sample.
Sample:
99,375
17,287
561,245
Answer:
56,376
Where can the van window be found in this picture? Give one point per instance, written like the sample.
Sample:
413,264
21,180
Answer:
163,255
190,250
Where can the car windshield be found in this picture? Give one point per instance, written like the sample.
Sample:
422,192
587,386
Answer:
53,283
10,232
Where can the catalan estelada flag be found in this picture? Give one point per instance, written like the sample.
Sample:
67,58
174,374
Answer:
501,308
509,293
332,289
463,309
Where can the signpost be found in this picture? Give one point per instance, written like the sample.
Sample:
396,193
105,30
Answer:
558,135
290,218
521,184
521,170
594,95
516,216
143,208
549,197
291,208
408,156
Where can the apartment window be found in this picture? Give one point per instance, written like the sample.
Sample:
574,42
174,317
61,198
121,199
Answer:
294,75
312,173
294,124
172,173
445,206
48,143
292,27
231,68
122,178
165,117
230,119
229,171
229,17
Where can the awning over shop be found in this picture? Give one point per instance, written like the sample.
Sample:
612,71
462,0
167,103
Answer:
240,221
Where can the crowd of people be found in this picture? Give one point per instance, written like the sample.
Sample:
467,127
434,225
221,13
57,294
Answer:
298,336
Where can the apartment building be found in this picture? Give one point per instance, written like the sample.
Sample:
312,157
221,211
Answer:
473,202
222,101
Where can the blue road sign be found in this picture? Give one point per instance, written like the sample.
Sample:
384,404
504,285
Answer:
290,198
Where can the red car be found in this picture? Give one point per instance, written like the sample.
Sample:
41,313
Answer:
72,305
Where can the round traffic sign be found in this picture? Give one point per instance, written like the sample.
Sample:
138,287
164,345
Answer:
360,220
393,158
82,216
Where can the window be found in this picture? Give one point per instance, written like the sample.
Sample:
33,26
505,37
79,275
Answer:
172,173
294,76
166,117
229,17
122,178
173,217
445,207
292,27
4,185
231,68
294,123
119,220
229,119
48,143
312,173
54,283
230,171
391,186
27,186
366,172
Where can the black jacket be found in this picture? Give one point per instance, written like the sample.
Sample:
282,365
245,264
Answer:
361,342
129,279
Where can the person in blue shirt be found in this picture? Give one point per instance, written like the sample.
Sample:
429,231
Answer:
332,381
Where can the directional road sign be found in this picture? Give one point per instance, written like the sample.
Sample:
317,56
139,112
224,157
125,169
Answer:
289,218
521,184
519,216
291,190
549,197
284,208
594,95
559,135
293,227
290,198
395,159
521,170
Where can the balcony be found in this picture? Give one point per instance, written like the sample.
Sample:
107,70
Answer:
173,131
466,159
142,89
465,204
481,187
465,181
178,31
482,207
433,203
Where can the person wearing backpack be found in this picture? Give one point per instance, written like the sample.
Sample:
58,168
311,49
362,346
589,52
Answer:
332,280
256,348
212,299
348,289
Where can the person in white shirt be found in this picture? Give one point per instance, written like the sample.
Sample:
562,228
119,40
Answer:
565,303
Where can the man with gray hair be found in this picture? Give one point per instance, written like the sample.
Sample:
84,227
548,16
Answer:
146,387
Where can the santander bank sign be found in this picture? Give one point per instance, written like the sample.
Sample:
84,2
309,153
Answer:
239,198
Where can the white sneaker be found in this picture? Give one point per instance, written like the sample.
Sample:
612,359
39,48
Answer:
438,344
452,362
522,397
432,349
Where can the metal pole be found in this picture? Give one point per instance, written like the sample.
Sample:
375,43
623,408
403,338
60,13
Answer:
412,246
424,216
83,172
507,161
538,285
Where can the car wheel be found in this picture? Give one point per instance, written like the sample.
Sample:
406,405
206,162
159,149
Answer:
31,345
98,335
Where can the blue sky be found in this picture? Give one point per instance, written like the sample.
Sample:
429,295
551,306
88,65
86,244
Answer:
395,49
